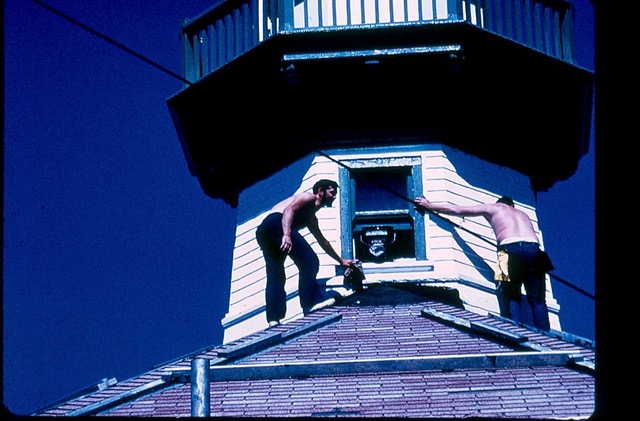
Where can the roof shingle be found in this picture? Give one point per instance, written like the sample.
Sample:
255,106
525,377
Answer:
367,353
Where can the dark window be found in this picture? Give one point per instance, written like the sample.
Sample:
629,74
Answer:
381,189
382,222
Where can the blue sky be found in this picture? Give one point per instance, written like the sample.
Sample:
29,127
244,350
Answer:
114,259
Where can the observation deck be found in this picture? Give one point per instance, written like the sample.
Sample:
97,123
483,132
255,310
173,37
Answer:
273,80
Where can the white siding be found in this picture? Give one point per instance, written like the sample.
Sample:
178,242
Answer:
455,257
248,276
455,177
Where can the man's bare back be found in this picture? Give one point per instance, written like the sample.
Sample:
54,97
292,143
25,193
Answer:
509,223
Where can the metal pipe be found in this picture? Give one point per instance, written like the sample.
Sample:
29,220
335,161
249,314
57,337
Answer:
200,388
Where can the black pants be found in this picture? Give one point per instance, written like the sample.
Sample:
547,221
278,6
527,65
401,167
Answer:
524,269
269,236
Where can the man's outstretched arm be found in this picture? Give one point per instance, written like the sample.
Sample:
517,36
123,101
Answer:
326,245
474,210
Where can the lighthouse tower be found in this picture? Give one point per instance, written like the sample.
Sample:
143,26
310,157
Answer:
460,101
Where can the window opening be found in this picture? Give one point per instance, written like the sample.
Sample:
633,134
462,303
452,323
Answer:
383,226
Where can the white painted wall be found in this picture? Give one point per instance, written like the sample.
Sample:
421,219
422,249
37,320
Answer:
455,258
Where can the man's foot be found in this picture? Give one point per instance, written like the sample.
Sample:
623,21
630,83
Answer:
273,323
322,304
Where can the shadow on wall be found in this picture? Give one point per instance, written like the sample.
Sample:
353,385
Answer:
474,172
265,194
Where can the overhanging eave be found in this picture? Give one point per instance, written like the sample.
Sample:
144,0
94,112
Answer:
454,84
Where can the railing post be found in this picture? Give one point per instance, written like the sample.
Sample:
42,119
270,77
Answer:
454,9
566,32
188,55
285,13
200,388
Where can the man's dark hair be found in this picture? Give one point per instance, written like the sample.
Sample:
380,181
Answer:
506,200
324,184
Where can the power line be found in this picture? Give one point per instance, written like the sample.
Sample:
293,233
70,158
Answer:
112,41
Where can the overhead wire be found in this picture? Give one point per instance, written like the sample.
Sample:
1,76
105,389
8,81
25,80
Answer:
112,41
180,78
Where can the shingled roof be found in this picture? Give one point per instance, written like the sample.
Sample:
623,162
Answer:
389,351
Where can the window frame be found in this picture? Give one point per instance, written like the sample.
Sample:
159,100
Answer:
347,198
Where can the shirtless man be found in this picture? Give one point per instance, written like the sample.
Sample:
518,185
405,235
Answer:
517,238
278,237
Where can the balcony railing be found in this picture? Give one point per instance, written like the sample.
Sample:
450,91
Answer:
233,27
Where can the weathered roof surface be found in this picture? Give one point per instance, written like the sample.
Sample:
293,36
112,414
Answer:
386,352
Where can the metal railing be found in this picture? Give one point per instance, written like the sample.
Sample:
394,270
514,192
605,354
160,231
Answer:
233,27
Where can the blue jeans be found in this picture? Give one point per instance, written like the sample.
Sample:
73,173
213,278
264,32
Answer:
524,269
269,236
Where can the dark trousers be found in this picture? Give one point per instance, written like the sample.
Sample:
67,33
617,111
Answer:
524,269
269,236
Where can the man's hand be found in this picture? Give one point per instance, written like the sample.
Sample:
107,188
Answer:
286,245
348,262
420,204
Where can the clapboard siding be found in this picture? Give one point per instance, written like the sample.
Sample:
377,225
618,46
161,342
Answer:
454,177
248,276
455,257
